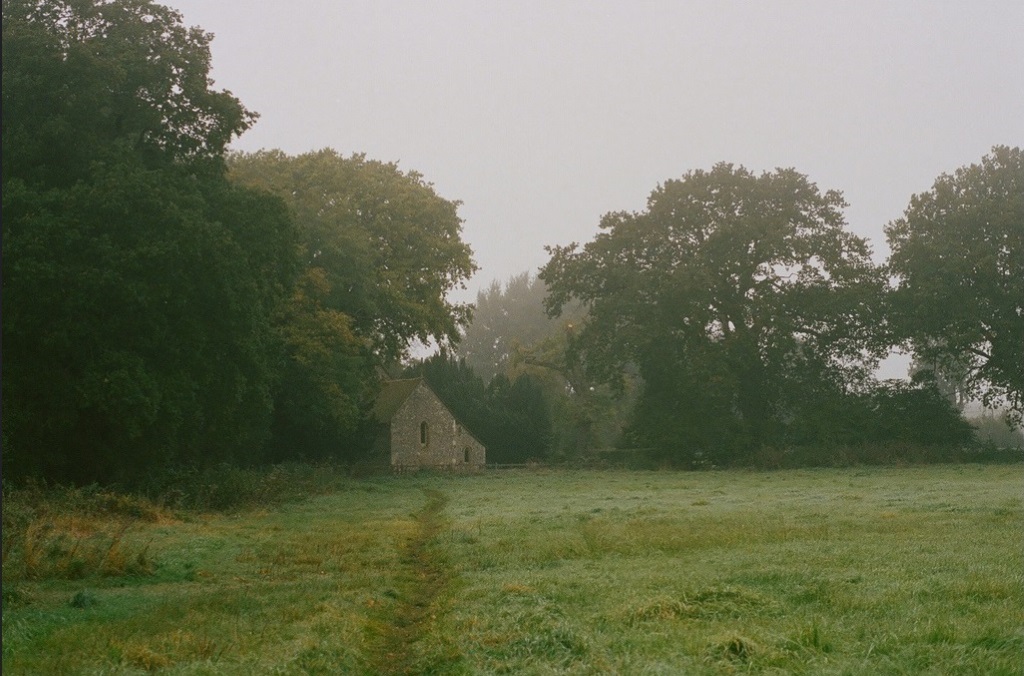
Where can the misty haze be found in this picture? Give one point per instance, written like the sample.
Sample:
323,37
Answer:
539,337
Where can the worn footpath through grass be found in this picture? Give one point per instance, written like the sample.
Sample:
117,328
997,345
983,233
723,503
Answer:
424,575
877,570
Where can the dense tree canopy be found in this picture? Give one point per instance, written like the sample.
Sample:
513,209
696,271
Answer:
958,259
138,283
737,297
85,81
512,418
380,251
389,247
326,379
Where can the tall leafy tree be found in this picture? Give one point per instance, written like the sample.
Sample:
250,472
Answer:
380,251
506,318
958,260
85,81
729,292
138,284
389,247
949,378
326,376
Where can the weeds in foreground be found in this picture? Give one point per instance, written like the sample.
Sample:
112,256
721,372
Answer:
77,532
73,533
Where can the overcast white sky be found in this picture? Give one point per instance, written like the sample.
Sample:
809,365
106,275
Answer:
542,116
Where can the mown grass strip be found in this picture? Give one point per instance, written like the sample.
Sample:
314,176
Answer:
424,578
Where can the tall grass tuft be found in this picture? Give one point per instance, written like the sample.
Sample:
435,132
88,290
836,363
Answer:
72,533
59,532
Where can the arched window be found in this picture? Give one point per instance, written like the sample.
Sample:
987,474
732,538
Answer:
466,453
424,433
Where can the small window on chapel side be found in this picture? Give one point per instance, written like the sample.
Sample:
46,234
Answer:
424,433
466,453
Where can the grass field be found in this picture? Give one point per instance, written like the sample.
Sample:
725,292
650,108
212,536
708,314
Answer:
852,571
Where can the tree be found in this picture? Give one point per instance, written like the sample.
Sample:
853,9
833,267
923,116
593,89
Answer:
907,412
324,380
958,262
380,251
512,336
85,81
587,415
505,319
949,378
723,293
138,284
389,247
998,431
520,421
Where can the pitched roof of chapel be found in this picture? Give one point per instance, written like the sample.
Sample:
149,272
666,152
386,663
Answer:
393,394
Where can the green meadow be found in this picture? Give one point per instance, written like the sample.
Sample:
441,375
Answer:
909,570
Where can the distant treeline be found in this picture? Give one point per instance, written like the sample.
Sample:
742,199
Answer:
168,304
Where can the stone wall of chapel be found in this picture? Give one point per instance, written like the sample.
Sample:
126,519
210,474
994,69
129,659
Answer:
446,443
